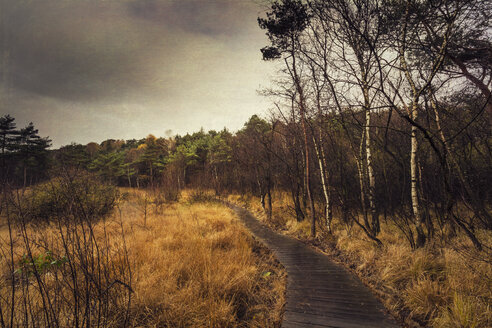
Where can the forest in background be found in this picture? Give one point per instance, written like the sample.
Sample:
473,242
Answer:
268,155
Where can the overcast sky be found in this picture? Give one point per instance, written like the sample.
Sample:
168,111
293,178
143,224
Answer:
89,70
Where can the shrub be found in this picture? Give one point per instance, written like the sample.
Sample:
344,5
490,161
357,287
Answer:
70,271
82,197
201,196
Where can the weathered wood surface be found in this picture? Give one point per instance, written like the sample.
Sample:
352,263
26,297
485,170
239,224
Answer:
319,292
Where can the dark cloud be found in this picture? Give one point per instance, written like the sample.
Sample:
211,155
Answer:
92,50
221,17
134,65
77,50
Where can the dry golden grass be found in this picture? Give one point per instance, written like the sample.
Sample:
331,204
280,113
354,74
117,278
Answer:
45,285
196,266
192,264
437,286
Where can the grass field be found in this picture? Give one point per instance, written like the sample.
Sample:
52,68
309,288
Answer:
196,266
187,264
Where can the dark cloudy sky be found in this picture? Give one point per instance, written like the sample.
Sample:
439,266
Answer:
88,70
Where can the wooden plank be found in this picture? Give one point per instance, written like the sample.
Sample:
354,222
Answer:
319,293
300,319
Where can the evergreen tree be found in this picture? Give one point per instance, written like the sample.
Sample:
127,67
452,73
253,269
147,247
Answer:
73,156
8,133
154,152
8,137
32,152
110,166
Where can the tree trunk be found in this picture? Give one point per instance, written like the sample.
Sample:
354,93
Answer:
375,229
326,193
25,175
362,180
302,109
297,203
261,189
262,201
151,177
426,214
216,180
368,174
308,177
414,180
413,114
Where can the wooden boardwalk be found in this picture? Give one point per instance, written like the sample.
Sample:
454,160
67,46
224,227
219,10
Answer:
319,293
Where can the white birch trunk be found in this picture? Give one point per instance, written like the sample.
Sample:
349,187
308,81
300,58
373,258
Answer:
322,170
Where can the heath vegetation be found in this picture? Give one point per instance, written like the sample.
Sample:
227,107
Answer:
377,149
76,252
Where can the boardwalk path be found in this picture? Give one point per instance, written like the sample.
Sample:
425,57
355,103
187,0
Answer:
320,293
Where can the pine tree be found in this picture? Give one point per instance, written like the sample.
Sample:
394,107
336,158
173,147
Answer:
32,152
8,137
8,133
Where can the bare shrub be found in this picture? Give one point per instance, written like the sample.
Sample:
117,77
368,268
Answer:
171,183
78,196
201,196
72,271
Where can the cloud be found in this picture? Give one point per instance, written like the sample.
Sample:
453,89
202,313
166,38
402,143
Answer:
80,50
139,66
215,18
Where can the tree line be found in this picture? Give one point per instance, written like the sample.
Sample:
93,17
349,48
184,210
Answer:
381,110
267,155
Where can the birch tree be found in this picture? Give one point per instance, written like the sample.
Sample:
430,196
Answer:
284,24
